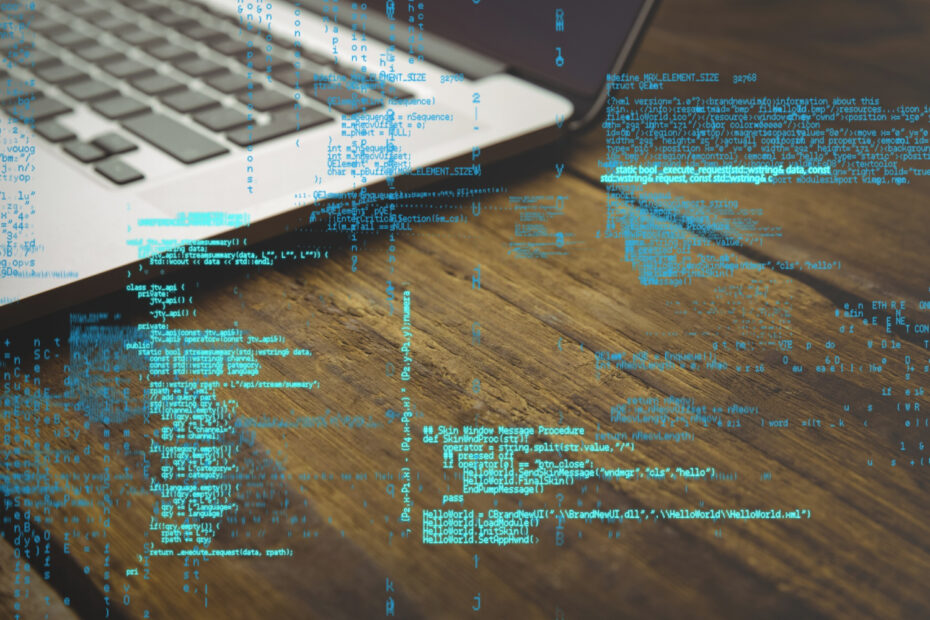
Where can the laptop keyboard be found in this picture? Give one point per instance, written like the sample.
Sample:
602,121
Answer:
150,66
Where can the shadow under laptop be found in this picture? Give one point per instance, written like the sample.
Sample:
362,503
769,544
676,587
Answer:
366,216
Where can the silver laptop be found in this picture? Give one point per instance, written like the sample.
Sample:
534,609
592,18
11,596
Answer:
129,127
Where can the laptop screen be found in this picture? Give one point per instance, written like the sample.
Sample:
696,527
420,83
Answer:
524,36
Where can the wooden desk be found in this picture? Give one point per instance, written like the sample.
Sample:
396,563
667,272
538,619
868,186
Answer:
865,551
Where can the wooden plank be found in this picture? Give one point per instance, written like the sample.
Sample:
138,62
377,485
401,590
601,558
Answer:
862,553
879,234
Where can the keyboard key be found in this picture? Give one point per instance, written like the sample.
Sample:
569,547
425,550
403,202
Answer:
229,83
84,152
118,171
170,52
281,124
53,131
267,37
113,24
70,6
266,100
395,91
307,74
86,11
17,43
98,53
174,21
8,44
279,62
89,90
141,38
39,109
189,101
128,68
261,61
221,119
323,89
178,140
151,9
46,108
317,57
113,143
46,25
248,53
291,77
228,46
32,58
60,74
157,84
200,67
71,39
119,107
202,33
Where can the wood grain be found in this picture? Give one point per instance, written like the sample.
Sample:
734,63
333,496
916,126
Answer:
864,552
830,49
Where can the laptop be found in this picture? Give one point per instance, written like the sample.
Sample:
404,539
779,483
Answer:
129,127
